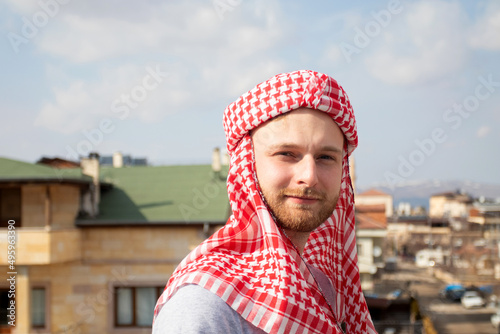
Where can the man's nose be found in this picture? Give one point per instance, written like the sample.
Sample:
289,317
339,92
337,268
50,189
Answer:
306,172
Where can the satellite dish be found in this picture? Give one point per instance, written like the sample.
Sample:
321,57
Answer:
377,251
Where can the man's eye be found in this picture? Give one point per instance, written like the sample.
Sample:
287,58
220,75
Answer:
327,157
284,154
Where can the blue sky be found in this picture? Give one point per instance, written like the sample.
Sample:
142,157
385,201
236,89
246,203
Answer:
152,78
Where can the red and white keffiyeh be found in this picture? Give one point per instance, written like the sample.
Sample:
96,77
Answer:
250,263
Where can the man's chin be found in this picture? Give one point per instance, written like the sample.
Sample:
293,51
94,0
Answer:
299,217
298,220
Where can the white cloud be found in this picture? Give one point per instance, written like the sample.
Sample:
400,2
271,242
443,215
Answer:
205,60
180,29
79,39
24,7
68,113
425,43
332,55
146,93
485,34
483,131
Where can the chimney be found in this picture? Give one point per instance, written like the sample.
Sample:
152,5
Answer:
216,165
117,160
90,167
225,159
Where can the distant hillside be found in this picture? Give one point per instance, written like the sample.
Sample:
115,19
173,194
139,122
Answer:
417,193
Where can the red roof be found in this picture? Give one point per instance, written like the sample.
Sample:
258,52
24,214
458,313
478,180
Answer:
363,208
364,222
473,212
58,163
373,192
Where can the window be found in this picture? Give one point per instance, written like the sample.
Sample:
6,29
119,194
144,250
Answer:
10,206
4,304
38,307
360,249
134,306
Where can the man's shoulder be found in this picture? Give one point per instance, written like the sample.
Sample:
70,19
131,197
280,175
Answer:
195,295
194,301
193,310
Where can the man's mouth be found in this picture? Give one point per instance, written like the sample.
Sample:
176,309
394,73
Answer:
307,194
302,198
312,198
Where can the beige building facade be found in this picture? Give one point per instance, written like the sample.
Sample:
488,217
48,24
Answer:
372,209
449,204
107,281
90,275
375,197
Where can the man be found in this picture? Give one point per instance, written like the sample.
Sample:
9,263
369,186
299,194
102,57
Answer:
285,262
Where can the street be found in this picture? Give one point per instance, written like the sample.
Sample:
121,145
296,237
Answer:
447,317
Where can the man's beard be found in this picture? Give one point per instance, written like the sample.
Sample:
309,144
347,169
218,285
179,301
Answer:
300,217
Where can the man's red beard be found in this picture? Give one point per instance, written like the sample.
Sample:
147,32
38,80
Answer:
300,217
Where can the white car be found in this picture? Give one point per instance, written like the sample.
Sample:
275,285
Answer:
472,299
495,319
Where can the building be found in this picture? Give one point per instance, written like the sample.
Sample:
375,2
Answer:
449,204
430,257
375,197
370,238
119,160
485,216
94,246
401,241
58,163
371,210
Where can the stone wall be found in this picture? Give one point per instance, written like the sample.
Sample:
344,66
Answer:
50,205
80,290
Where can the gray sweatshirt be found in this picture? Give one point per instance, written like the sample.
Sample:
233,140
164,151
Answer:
195,310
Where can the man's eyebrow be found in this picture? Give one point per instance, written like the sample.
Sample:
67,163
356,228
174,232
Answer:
331,149
284,146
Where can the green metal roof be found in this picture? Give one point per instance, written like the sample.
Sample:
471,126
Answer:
19,171
163,194
177,194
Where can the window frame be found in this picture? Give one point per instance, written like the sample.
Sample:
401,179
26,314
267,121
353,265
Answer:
46,326
360,249
159,287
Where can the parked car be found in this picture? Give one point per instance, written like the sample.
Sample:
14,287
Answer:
453,292
472,299
495,319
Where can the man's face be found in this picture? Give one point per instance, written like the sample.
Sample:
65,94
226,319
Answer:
298,160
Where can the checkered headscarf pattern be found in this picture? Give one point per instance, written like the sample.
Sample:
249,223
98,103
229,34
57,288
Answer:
249,263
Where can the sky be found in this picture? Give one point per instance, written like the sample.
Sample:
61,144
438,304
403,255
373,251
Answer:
152,78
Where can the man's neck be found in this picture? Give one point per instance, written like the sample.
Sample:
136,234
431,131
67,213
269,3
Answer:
299,239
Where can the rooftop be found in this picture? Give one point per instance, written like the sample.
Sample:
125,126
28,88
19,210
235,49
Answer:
162,194
363,208
457,196
365,222
12,171
139,194
373,192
